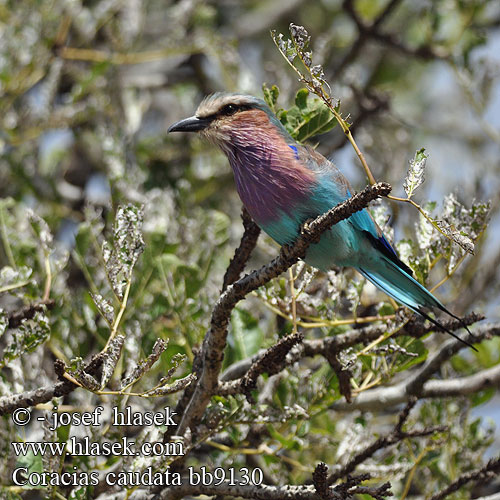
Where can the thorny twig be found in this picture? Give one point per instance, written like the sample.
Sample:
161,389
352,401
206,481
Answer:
320,481
343,373
271,362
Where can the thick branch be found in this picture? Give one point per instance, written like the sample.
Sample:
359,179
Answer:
215,340
288,492
432,365
262,492
242,253
343,491
237,264
44,394
414,328
31,398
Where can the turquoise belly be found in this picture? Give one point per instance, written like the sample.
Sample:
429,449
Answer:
334,248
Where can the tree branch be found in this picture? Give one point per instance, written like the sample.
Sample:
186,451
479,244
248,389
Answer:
367,31
272,361
362,31
243,252
343,491
433,363
31,398
44,394
491,469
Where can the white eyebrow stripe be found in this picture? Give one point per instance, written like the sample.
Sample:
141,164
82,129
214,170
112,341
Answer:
212,104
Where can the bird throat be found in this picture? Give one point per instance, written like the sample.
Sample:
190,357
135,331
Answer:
270,178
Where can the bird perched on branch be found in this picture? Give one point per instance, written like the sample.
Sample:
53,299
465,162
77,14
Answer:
283,184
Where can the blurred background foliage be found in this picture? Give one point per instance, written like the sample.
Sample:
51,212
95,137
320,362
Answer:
87,90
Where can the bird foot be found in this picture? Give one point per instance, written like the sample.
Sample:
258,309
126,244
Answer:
306,230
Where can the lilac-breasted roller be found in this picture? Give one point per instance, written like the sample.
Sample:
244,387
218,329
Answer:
283,184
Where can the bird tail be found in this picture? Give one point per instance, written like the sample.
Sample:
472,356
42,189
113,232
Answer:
404,289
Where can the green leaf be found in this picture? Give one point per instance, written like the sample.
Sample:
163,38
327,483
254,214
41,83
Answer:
63,433
459,237
79,493
307,118
170,262
290,443
301,99
34,464
321,122
121,256
482,397
246,335
41,229
385,309
27,337
11,279
83,238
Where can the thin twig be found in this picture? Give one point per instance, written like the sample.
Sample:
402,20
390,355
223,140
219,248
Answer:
487,472
393,437
28,312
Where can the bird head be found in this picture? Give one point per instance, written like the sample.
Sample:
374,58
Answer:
224,117
269,176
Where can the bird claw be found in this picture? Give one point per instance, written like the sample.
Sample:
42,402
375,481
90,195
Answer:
306,227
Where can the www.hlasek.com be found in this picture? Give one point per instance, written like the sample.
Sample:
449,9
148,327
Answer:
231,476
84,447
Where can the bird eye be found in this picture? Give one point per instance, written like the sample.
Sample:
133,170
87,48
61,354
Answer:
230,109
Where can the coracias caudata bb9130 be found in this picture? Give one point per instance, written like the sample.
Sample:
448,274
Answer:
283,184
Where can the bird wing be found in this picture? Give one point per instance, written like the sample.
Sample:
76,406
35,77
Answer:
362,220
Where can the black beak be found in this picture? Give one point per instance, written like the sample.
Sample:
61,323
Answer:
191,124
